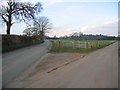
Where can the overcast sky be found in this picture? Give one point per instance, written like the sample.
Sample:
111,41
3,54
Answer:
68,16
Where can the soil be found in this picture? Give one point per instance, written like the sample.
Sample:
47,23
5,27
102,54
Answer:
54,61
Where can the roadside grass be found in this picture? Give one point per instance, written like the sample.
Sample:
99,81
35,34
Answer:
82,46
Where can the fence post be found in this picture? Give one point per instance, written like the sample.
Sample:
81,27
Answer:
59,44
72,44
86,44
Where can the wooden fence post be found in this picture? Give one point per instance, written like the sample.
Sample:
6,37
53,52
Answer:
86,44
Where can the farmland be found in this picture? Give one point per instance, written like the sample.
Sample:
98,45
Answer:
79,45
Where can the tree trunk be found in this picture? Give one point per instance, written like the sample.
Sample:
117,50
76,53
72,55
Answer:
8,29
43,35
9,24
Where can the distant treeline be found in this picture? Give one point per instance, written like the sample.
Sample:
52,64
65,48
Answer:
85,37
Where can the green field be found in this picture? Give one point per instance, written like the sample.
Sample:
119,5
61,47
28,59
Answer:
79,46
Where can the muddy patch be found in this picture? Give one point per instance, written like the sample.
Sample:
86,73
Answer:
54,61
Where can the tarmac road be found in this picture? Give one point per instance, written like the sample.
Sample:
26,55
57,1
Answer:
16,62
97,70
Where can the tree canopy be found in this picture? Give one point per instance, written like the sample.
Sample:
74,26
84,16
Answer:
40,26
18,11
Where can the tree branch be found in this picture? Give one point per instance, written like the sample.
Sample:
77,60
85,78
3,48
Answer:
4,18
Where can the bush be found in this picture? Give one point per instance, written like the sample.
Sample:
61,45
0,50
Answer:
11,42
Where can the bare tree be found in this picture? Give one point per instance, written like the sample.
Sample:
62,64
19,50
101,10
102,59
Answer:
31,31
42,24
28,32
76,35
18,11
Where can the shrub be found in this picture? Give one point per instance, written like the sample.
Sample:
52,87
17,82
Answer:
11,42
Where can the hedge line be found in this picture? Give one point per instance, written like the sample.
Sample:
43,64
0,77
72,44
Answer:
11,42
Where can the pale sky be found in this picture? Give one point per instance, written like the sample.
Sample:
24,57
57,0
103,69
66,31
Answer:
68,16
